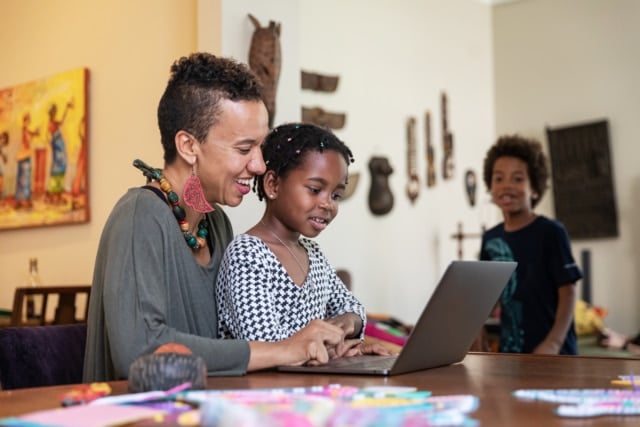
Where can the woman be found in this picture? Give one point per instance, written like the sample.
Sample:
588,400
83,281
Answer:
162,245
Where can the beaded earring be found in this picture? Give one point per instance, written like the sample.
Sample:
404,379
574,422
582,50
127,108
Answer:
194,242
193,194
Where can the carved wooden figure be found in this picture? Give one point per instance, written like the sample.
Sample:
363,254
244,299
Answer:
265,61
320,117
447,141
431,165
413,182
380,196
470,184
318,82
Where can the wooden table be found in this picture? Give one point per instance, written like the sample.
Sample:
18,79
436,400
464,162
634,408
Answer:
490,376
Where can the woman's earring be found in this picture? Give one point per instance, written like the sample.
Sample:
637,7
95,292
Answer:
193,195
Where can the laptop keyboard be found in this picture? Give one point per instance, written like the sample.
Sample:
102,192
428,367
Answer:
383,362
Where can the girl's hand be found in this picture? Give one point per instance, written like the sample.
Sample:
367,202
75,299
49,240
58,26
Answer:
355,347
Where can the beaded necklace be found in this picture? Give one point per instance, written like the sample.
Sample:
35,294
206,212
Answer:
194,242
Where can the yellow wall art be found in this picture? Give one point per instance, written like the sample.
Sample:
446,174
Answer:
44,151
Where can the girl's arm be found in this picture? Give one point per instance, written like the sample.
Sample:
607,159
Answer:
350,323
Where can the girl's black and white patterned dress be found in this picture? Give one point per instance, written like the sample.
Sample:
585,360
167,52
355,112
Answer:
257,300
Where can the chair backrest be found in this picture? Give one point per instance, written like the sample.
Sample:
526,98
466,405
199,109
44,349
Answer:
34,356
65,311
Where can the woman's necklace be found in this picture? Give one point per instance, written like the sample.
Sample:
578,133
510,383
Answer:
304,271
197,241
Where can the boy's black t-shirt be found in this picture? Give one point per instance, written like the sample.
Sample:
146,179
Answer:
530,298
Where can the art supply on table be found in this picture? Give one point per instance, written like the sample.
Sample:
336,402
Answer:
334,405
84,416
632,381
85,393
137,398
599,409
315,406
583,403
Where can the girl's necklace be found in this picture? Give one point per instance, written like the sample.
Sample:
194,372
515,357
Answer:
304,271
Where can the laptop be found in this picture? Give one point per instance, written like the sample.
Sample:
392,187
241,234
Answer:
451,320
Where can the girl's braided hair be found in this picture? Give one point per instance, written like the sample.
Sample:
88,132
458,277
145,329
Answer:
286,145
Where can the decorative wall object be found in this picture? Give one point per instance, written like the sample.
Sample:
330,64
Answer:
470,184
352,184
460,236
431,165
318,82
413,183
583,191
44,163
380,196
447,141
320,117
265,61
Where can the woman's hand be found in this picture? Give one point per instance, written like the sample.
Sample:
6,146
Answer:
313,344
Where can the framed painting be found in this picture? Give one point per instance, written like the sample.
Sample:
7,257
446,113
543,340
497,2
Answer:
44,166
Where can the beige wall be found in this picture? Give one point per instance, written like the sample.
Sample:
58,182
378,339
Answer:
570,61
128,47
394,59
386,77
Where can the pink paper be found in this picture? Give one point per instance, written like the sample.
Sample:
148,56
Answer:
92,415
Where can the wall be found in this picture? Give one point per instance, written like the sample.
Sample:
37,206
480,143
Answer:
393,59
128,48
570,61
385,77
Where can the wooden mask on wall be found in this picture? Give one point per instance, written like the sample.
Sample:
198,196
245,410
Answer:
265,60
380,196
470,185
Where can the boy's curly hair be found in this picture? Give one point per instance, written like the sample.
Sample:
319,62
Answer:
529,151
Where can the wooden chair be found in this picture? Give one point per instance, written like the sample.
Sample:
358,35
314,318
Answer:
65,311
35,356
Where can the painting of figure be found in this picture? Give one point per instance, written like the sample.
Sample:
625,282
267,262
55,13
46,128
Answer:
44,151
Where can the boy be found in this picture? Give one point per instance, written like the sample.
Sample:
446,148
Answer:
537,304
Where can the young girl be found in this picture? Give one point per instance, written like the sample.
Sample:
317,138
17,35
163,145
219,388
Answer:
538,302
272,281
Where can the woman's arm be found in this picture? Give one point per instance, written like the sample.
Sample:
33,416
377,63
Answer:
311,344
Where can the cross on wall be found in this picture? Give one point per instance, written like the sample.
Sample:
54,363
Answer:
460,236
